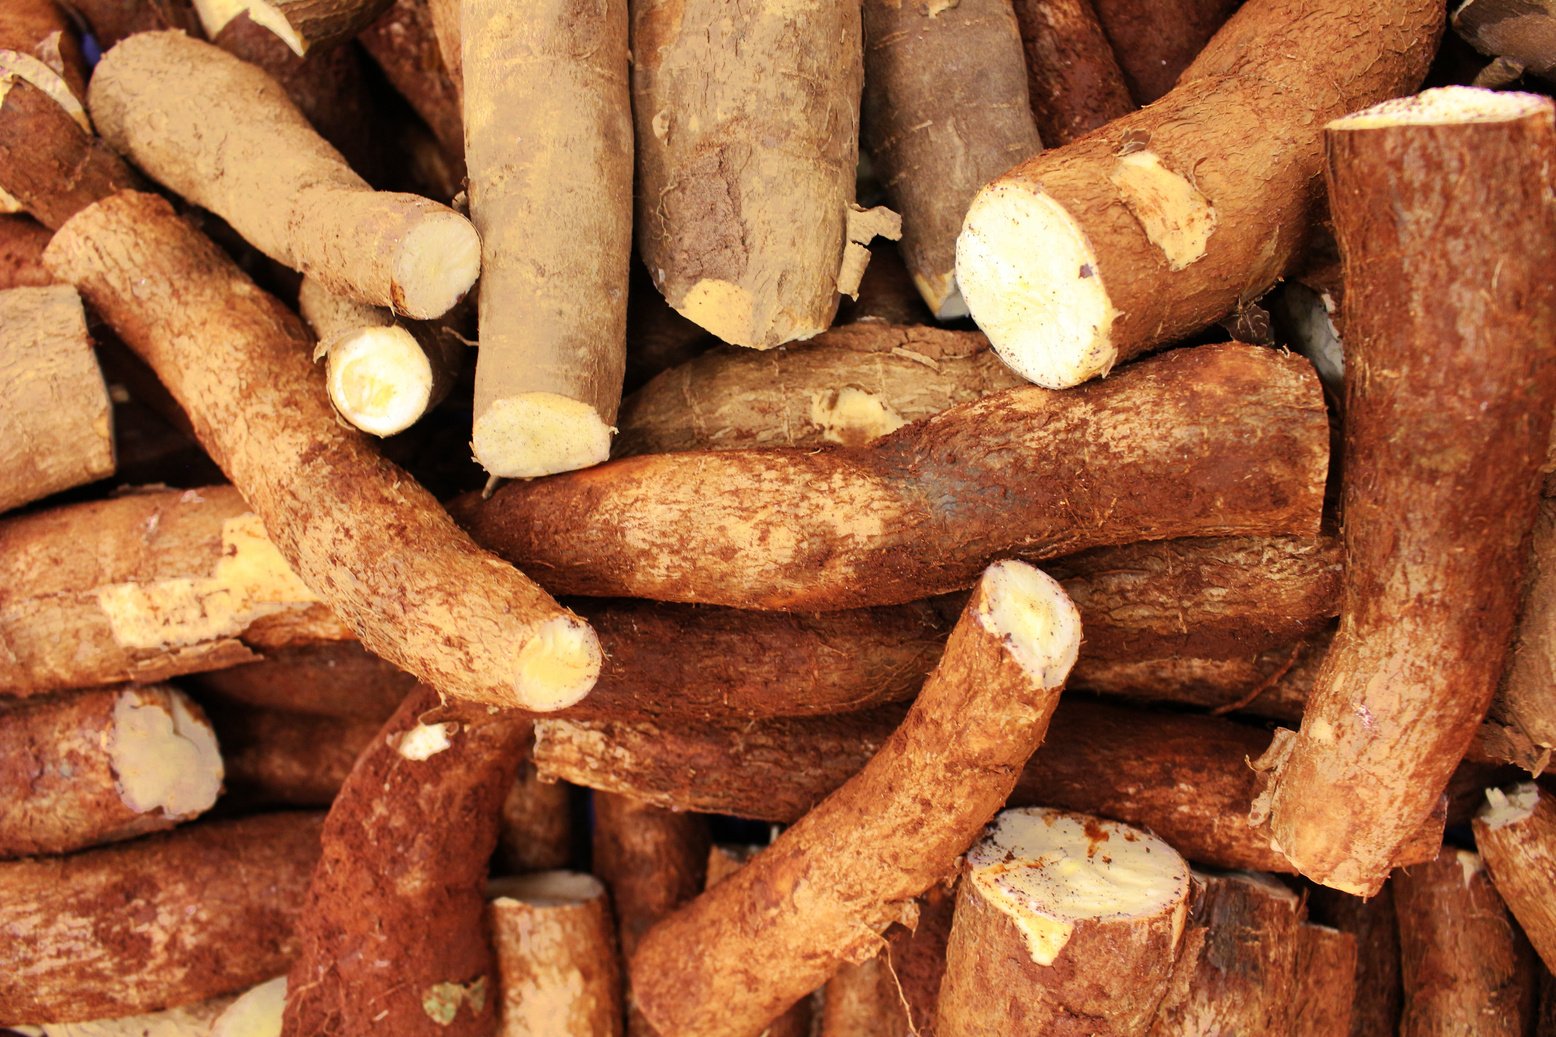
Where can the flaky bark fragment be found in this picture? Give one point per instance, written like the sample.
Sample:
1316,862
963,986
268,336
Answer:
170,919
301,24
557,973
1072,76
1516,835
1447,418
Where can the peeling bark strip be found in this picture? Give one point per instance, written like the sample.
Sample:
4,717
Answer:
1467,969
56,423
392,934
747,949
1072,76
344,518
558,974
944,112
1226,439
170,919
48,162
747,146
156,98
1516,834
1165,220
1066,925
1450,385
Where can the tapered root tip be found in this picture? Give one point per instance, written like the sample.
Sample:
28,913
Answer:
379,379
558,665
1035,618
539,433
1030,279
1446,106
1049,870
439,259
164,755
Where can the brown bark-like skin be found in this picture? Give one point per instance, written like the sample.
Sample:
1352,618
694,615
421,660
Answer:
897,992
820,895
1155,40
167,920
653,860
48,162
1521,856
862,1001
1525,705
1072,76
39,29
1244,979
22,241
112,20
375,545
724,861
60,790
558,972
1031,471
1467,969
1184,777
1326,982
849,386
1379,996
536,831
1450,387
444,16
341,680
288,759
392,935
1519,31
142,588
56,422
403,44
747,142
945,111
326,23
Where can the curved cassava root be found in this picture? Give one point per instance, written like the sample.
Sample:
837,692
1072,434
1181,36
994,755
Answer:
1223,439
819,896
1169,218
1450,386
156,98
376,547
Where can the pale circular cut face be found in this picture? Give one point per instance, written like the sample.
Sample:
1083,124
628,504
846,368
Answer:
558,665
379,379
1506,807
539,433
164,757
1031,612
1446,106
439,259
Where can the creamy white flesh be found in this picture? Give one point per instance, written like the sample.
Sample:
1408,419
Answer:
164,757
380,379
1049,870
1505,808
1029,277
558,665
539,433
1445,106
1036,618
439,259
256,1014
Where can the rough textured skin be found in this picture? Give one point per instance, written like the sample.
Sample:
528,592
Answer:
1216,440
1525,705
403,44
653,860
326,23
392,936
1521,856
332,680
945,111
548,139
724,861
1519,31
558,975
536,832
374,545
747,142
1106,981
1326,982
1466,967
56,422
48,162
145,587
1378,995
820,895
1448,234
22,241
170,919
59,789
897,992
1243,133
1244,978
1072,76
848,386
112,20
1184,777
283,759
39,29
181,109
1155,40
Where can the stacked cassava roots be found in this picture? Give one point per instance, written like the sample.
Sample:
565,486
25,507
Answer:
1072,557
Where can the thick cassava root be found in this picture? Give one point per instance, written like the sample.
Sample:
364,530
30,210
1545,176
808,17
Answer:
746,950
1447,419
1169,218
1223,439
548,138
156,97
557,974
378,548
56,425
1065,924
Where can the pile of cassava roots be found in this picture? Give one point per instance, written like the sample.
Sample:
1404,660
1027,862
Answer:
805,518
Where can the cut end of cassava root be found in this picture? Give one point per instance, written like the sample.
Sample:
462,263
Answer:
546,888
1049,869
256,1013
1445,106
439,259
1029,609
559,664
1029,276
539,433
379,379
163,756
